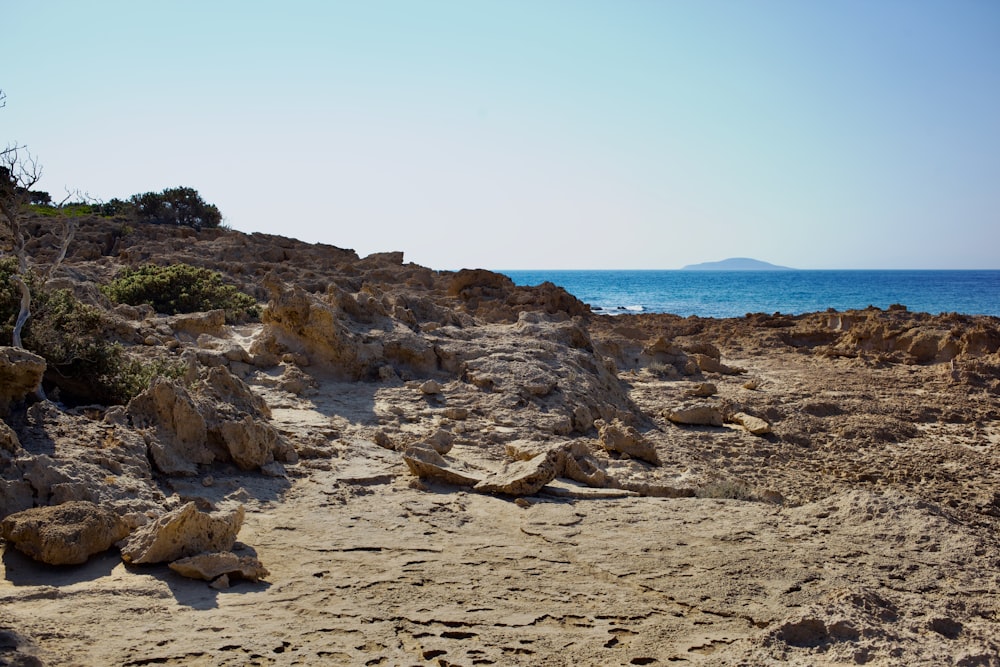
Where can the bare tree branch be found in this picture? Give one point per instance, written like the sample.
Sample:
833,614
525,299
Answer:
25,312
69,230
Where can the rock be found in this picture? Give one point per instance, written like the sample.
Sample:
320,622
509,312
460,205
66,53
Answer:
20,374
525,450
456,413
250,443
66,534
440,441
211,566
709,364
616,437
211,322
15,495
754,425
426,463
181,533
583,418
430,387
522,478
703,390
178,429
8,439
585,469
697,415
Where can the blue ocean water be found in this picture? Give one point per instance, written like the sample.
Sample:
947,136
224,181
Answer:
736,293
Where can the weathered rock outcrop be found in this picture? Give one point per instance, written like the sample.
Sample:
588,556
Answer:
183,532
66,534
754,425
426,463
522,478
177,429
617,437
697,415
211,566
20,374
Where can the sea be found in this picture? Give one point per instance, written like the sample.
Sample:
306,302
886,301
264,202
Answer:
792,292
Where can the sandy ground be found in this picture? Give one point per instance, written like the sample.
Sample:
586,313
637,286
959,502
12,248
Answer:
369,566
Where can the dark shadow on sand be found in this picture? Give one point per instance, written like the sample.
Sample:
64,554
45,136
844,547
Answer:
22,570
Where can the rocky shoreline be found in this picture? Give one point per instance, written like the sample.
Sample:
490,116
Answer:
403,466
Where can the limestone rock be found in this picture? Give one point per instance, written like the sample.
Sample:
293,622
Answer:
430,387
250,443
180,533
20,374
66,534
584,468
440,441
426,463
211,566
8,439
616,437
697,415
210,322
525,450
178,429
703,390
709,364
15,495
522,478
754,425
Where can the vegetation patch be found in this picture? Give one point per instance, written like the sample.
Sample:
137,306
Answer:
181,288
75,339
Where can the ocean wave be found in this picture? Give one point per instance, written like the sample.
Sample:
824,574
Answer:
616,310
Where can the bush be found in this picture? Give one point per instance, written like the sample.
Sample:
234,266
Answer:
181,288
176,206
72,337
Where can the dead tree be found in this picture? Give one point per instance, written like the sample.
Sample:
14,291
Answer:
19,173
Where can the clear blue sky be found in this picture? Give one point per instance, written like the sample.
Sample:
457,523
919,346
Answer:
541,134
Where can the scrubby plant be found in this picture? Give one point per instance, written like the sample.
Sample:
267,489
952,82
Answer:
73,338
181,288
176,206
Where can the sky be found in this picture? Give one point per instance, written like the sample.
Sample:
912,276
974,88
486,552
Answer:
543,134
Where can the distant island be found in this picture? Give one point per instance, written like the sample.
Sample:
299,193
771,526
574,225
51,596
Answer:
736,264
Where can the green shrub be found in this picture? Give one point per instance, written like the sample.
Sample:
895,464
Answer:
176,206
181,288
73,338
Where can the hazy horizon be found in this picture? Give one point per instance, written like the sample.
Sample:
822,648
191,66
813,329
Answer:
518,135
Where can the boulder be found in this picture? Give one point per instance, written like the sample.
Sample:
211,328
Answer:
584,468
522,478
8,439
426,463
430,387
178,429
15,495
181,533
440,441
211,566
66,534
20,374
754,425
211,322
697,415
616,437
250,443
711,364
703,390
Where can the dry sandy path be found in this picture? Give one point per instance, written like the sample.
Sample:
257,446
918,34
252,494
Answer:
368,568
